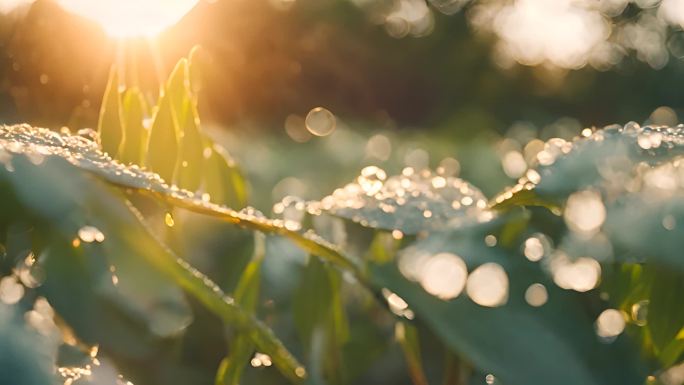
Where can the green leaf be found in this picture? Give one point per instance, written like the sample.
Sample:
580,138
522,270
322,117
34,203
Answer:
162,151
190,169
223,181
110,125
75,192
320,319
134,145
589,162
518,343
311,304
247,295
26,358
408,202
634,224
665,316
520,195
85,155
407,336
672,352
177,89
195,71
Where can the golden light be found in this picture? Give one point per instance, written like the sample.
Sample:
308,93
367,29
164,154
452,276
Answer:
131,18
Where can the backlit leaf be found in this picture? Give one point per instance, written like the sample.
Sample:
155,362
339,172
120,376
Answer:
110,125
162,152
134,145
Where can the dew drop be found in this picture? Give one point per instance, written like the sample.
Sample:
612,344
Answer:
397,304
320,122
533,176
261,359
371,179
11,291
610,324
585,212
490,379
581,274
669,222
29,272
514,164
300,372
168,220
443,275
536,247
536,295
90,234
488,285
115,278
631,128
640,312
292,209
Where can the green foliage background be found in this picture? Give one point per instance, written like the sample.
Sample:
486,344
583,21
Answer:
202,285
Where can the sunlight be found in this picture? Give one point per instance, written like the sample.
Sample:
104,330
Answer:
131,18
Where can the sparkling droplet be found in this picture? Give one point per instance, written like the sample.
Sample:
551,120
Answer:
610,324
397,304
443,275
372,179
292,209
533,176
536,295
640,312
490,379
11,291
90,234
320,122
168,220
536,247
488,285
581,274
514,164
300,372
261,359
631,128
29,272
585,212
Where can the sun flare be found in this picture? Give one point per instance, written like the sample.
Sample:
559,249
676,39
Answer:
131,18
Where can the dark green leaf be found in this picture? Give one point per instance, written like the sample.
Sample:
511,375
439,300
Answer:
555,342
665,311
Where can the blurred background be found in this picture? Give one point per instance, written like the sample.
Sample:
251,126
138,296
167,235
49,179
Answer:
305,93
